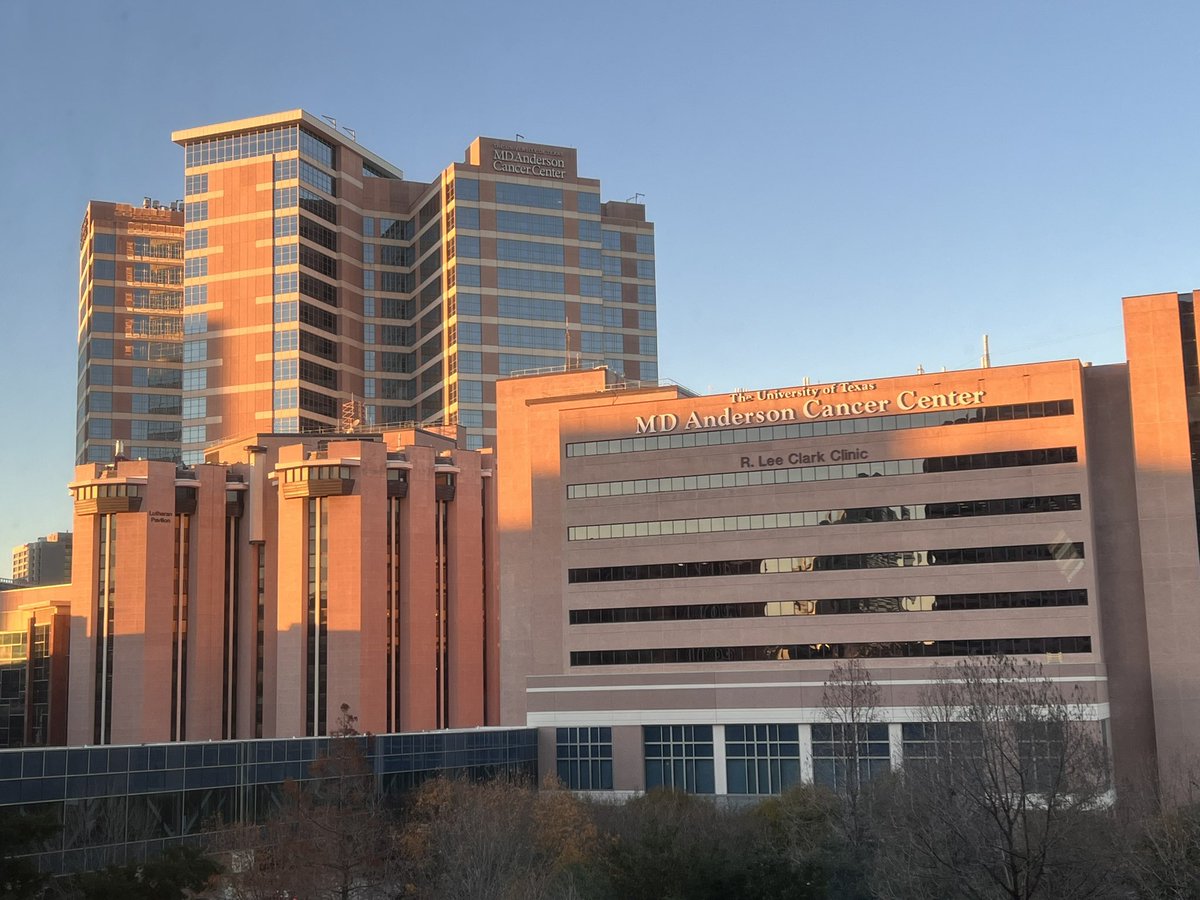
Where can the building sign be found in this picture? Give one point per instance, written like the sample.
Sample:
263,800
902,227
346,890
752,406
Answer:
827,401
158,517
526,161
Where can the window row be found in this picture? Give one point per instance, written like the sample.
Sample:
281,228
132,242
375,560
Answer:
786,565
830,607
817,517
242,146
801,652
921,465
1005,413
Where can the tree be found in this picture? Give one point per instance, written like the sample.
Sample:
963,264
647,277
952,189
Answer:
1006,795
20,833
334,837
174,874
851,702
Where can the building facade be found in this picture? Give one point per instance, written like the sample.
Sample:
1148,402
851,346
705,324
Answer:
44,561
680,573
319,282
130,331
255,593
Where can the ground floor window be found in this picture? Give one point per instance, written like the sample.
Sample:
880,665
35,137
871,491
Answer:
584,758
762,759
680,757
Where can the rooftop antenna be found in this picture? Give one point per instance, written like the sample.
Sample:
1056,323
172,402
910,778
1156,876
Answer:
520,137
352,415
636,198
352,132
920,369
331,120
567,331
985,361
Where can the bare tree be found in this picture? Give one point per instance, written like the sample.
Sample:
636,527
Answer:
1006,794
851,702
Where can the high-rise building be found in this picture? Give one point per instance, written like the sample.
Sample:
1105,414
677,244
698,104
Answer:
44,561
130,328
321,283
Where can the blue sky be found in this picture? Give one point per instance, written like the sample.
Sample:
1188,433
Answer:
840,189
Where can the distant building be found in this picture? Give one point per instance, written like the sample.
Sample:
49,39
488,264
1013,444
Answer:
130,331
44,561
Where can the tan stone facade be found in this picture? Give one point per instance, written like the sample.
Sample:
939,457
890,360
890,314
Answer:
254,594
679,571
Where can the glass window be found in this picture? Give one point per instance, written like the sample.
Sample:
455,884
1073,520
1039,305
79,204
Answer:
105,270
589,231
466,189
645,244
287,226
468,217
645,268
100,428
589,258
531,308
195,434
529,251
584,758
679,757
647,320
610,240
645,293
102,322
589,286
468,276
762,759
589,203
315,148
468,246
310,174
195,267
195,407
287,254
470,362
648,345
196,211
195,351
241,146
533,338
98,374
611,265
528,223
287,283
101,348
100,401
511,194
104,243
195,379
285,169
510,279
195,184
846,755
195,239
470,333
195,323
470,418
470,391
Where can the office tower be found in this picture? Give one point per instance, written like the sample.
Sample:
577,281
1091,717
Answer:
322,285
130,297
44,561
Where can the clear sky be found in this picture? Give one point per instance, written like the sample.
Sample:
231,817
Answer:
840,189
